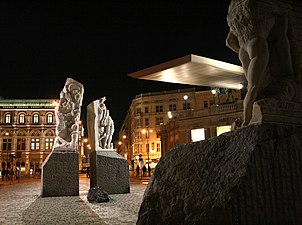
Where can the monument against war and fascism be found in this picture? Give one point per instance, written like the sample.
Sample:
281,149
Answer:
251,175
108,170
60,173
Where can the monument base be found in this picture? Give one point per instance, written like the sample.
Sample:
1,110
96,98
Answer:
60,174
280,112
109,171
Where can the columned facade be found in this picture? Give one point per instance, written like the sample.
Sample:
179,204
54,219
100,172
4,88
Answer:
27,132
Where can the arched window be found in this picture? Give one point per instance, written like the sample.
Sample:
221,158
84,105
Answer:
49,118
8,118
36,118
21,118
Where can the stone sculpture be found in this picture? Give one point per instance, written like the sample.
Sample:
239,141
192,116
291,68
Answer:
262,34
67,114
100,125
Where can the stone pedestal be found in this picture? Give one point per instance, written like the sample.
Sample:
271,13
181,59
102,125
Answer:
109,171
60,174
273,111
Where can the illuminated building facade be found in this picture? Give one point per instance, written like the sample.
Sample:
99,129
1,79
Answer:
158,121
27,132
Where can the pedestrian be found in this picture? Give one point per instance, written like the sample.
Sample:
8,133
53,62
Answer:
144,170
137,171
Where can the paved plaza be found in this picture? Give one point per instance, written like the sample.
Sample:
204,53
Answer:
21,204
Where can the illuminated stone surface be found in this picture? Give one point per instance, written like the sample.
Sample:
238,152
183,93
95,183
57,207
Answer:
100,125
248,176
68,113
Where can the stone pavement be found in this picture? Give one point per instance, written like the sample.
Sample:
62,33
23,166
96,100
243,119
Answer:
20,203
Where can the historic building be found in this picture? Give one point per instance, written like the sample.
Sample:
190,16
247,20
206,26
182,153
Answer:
27,132
158,121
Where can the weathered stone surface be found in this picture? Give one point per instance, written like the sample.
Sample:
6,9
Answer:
98,195
109,171
248,176
60,174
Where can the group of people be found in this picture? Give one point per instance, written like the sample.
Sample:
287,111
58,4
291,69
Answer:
7,174
143,171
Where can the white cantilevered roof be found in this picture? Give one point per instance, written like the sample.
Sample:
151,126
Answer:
195,70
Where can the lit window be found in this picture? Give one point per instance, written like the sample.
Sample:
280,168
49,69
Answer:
186,105
158,147
35,144
138,111
146,121
21,144
159,108
35,118
205,104
223,129
49,118
159,120
7,144
197,134
8,118
21,118
172,107
48,143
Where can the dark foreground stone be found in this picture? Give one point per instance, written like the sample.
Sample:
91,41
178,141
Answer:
249,176
98,195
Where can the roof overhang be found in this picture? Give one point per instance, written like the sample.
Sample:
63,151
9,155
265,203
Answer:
195,70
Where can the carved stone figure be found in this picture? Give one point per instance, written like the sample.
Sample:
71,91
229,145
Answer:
67,114
261,33
100,125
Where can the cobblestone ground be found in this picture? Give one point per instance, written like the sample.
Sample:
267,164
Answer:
20,203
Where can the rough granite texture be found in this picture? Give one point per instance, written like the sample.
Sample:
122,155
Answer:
249,176
60,174
109,171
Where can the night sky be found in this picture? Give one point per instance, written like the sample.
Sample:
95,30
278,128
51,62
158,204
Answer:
98,44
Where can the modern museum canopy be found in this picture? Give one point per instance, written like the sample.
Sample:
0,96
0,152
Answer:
195,70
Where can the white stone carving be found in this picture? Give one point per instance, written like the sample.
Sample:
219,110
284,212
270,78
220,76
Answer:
261,32
67,114
100,125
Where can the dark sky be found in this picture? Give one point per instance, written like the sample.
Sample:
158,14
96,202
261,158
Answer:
98,44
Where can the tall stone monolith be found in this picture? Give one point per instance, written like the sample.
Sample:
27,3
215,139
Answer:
60,171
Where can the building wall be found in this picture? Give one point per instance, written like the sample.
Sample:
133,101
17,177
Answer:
28,135
148,124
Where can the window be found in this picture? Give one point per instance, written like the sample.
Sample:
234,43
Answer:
35,144
205,104
172,107
8,118
7,144
146,109
138,111
35,118
211,102
49,118
146,121
186,106
48,143
158,147
159,120
21,144
21,118
159,108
